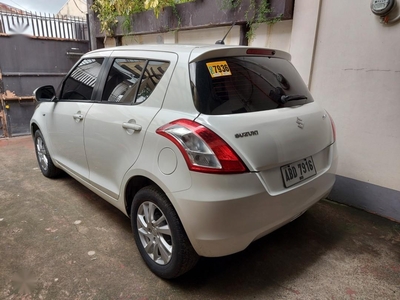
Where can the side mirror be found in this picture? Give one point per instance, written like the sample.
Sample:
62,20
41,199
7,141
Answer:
45,93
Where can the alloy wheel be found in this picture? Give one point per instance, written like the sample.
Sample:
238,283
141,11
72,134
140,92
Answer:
42,153
154,233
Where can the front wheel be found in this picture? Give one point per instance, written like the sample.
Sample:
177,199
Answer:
159,235
43,157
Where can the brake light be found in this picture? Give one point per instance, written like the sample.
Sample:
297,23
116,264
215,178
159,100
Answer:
333,127
260,52
203,150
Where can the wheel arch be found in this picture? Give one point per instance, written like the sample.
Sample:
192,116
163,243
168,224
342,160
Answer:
139,181
34,127
134,185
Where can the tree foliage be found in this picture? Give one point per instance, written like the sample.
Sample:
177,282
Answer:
256,13
108,10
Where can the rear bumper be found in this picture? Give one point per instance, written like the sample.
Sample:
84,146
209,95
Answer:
223,214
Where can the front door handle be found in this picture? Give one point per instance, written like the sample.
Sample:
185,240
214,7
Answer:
131,126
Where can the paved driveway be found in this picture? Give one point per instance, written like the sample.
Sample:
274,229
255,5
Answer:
58,240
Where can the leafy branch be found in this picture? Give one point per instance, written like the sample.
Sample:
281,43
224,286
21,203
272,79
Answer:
254,14
108,10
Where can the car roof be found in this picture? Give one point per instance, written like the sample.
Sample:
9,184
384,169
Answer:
178,48
187,49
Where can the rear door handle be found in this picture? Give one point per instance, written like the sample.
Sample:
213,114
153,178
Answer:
131,126
78,117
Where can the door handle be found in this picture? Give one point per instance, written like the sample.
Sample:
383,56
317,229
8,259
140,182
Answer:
78,117
131,126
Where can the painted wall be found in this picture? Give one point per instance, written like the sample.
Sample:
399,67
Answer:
352,65
76,8
356,76
274,36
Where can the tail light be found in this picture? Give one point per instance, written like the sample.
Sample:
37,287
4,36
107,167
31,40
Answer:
203,150
333,127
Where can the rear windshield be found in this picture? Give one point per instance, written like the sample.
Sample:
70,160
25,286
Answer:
231,85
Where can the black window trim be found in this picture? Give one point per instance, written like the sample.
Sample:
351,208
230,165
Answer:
95,88
98,88
108,63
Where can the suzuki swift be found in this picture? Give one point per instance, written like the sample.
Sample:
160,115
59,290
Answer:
205,148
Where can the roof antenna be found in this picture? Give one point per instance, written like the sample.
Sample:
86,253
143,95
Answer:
221,42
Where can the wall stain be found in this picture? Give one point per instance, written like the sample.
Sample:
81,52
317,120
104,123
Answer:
371,70
378,70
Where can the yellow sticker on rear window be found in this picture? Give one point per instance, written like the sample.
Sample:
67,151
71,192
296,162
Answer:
218,69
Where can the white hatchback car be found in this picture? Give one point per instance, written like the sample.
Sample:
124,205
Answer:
205,148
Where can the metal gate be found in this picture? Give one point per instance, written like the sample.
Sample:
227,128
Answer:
35,50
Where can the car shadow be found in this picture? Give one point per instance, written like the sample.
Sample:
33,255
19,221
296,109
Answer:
269,262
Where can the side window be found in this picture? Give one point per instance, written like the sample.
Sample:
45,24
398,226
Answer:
122,81
132,81
151,77
80,83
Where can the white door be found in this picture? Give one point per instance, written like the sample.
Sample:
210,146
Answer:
65,127
66,121
116,127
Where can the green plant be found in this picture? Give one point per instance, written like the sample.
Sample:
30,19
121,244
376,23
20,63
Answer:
230,4
255,14
107,14
108,10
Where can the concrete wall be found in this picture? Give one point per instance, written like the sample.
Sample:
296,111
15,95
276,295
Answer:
351,64
276,36
356,76
197,36
76,8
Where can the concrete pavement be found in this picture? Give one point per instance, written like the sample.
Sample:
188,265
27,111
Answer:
58,240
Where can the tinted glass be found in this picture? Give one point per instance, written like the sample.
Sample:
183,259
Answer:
232,85
122,81
151,77
122,84
80,83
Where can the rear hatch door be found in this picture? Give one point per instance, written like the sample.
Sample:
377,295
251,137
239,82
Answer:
273,138
262,108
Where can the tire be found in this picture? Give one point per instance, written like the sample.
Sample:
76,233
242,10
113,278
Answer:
43,157
159,234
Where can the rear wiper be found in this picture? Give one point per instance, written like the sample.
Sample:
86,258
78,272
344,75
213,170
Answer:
287,98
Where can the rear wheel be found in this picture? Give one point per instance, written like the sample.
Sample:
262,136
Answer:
159,235
43,157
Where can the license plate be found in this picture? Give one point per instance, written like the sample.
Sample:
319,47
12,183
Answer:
298,171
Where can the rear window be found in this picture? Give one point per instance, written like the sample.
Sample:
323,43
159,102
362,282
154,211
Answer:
231,85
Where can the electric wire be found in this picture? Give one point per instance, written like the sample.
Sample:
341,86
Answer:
18,5
79,7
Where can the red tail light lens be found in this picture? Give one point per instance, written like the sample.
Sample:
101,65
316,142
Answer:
203,150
